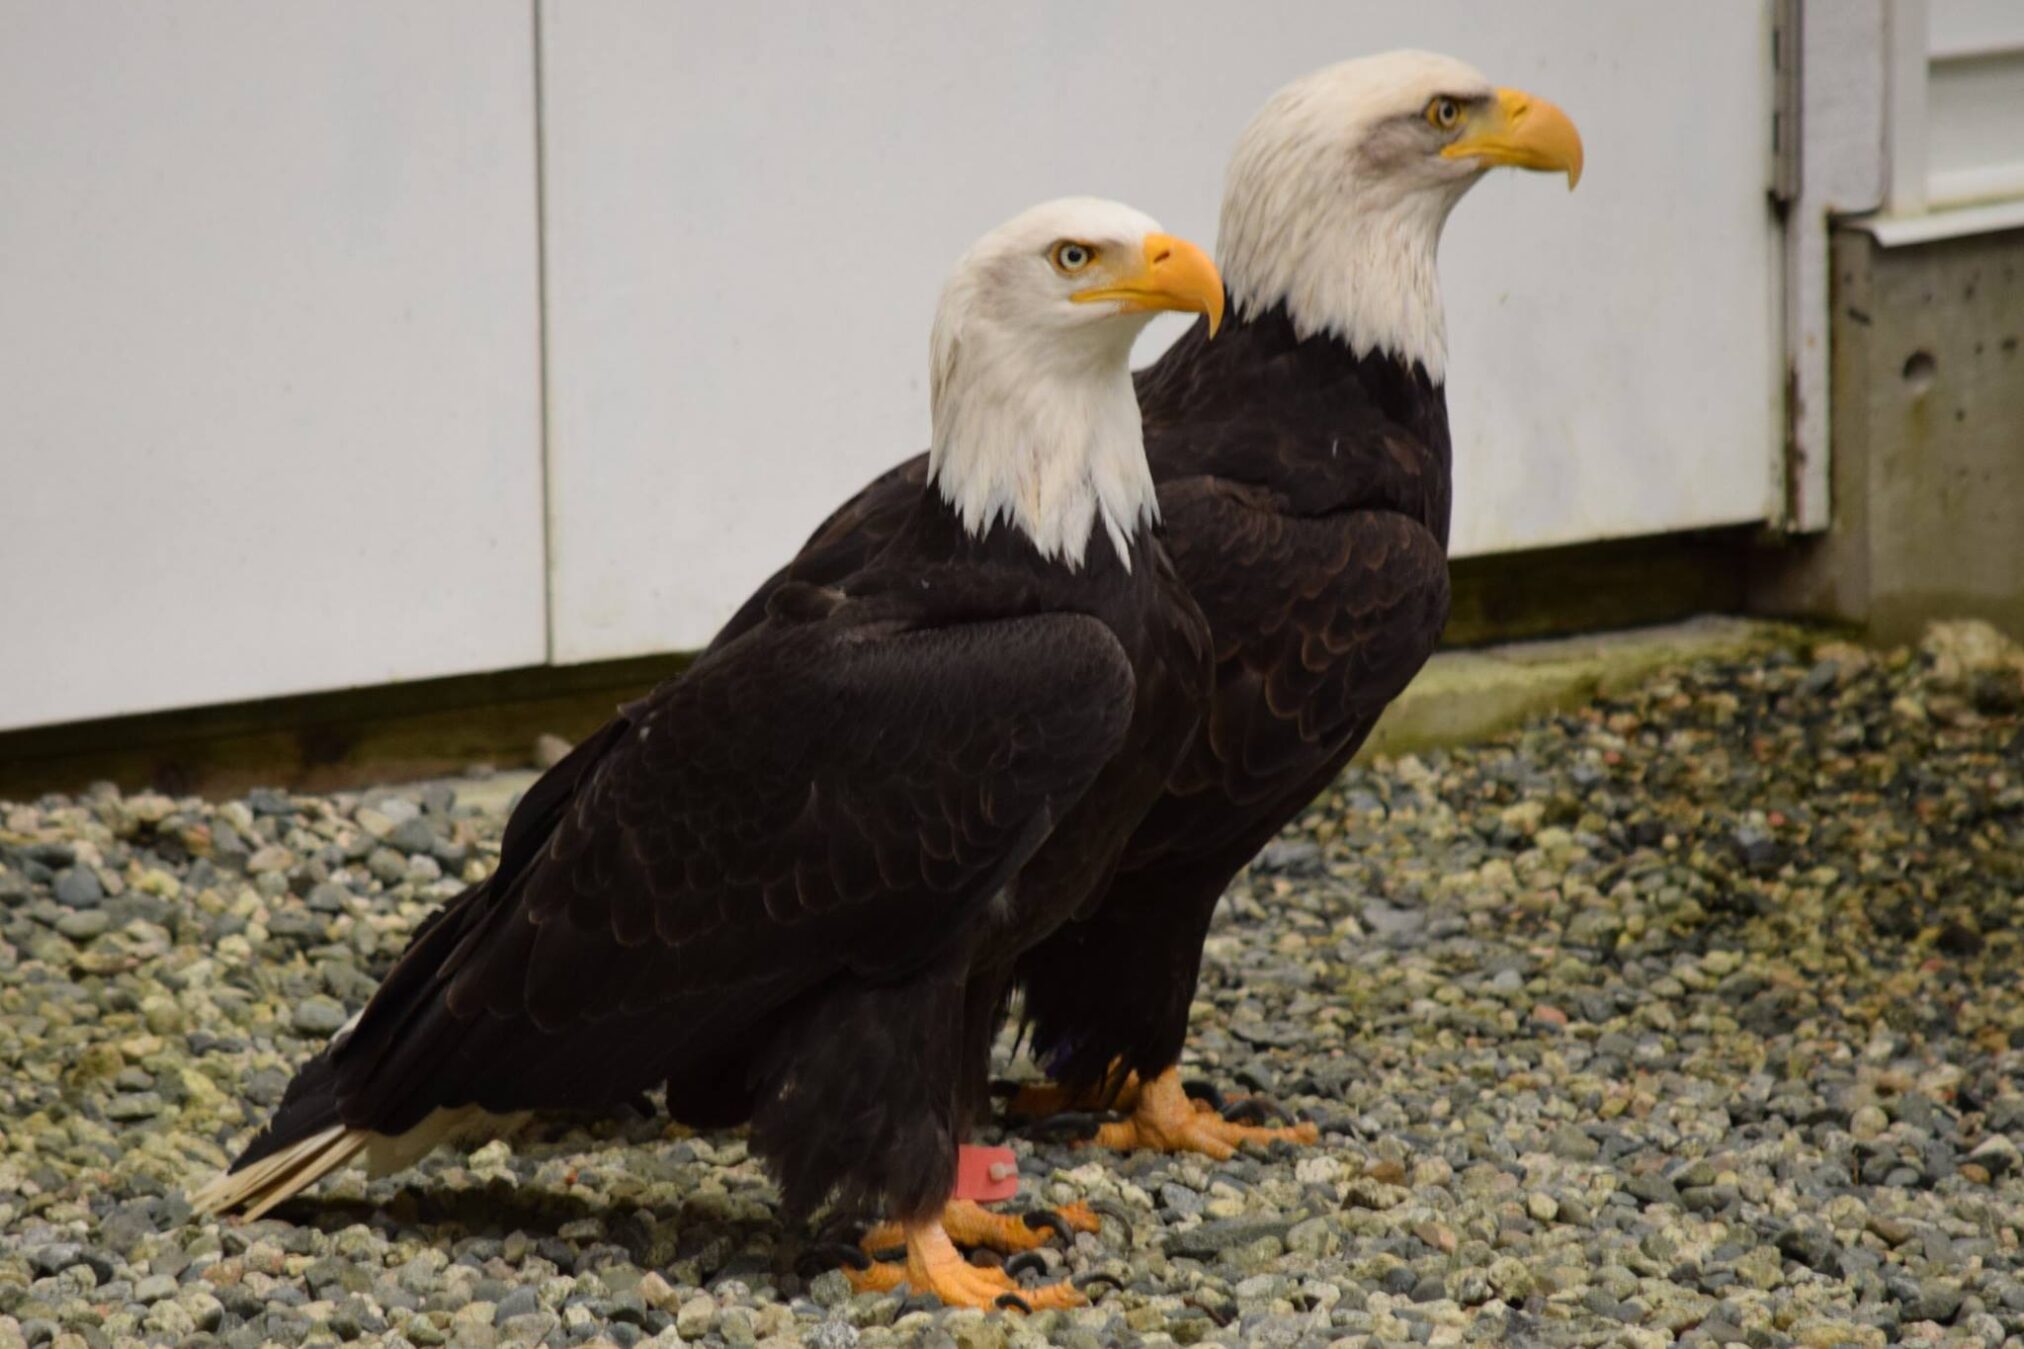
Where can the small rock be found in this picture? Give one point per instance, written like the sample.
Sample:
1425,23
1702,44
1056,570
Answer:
78,888
272,857
519,1302
1510,1277
318,1016
154,1288
1213,1239
55,1257
82,925
1935,1301
1575,1145
1311,1237
1995,1154
134,1105
414,836
831,1288
699,1313
387,866
1653,1188
1889,1229
1289,855
1813,1247
327,897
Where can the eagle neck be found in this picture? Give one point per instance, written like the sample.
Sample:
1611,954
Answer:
1346,254
1046,440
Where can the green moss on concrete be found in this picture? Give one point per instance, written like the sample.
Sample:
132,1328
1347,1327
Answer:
1464,696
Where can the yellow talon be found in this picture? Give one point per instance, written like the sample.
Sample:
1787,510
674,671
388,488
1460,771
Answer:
933,1265
1165,1120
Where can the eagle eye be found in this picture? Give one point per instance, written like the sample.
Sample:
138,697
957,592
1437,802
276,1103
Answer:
1443,113
1070,257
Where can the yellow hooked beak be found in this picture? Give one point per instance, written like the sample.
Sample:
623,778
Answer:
1171,274
1524,132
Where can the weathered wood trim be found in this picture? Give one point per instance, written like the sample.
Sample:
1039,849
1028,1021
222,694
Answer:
401,732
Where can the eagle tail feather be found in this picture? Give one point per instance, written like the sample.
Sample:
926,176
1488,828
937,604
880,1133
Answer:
280,1174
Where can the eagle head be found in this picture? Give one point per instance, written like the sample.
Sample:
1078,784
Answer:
1035,421
1338,189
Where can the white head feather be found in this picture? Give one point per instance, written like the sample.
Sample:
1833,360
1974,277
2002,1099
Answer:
1335,199
1035,421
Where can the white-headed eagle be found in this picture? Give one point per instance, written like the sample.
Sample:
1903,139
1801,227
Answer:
792,885
1304,477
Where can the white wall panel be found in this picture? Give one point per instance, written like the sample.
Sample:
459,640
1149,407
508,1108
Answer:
750,209
269,349
1975,101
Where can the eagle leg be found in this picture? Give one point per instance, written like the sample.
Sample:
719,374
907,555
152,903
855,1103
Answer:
934,1265
1165,1119
968,1223
1038,1100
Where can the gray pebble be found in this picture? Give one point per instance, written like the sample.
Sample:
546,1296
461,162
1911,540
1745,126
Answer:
327,897
79,888
413,836
318,1016
388,866
1544,995
137,1105
84,924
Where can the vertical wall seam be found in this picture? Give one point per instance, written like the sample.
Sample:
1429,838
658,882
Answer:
543,353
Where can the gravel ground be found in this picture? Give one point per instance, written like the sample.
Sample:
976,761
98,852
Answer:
1691,1016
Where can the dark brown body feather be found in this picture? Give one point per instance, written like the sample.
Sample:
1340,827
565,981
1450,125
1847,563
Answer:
1306,495
792,884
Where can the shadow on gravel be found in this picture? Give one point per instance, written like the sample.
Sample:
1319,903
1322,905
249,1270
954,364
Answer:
648,1236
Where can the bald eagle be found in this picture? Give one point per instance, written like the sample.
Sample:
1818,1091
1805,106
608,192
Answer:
792,884
1303,470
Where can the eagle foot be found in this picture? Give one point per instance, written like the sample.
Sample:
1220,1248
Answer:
1167,1120
933,1265
971,1224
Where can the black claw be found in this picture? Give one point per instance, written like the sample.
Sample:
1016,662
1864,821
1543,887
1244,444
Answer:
888,1253
1049,1219
1024,1261
840,1230
1199,1090
1114,1213
1253,1110
1221,1318
1012,1302
1070,1125
829,1255
1085,1282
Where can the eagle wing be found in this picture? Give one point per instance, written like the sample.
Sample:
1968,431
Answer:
852,536
810,802
1319,622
